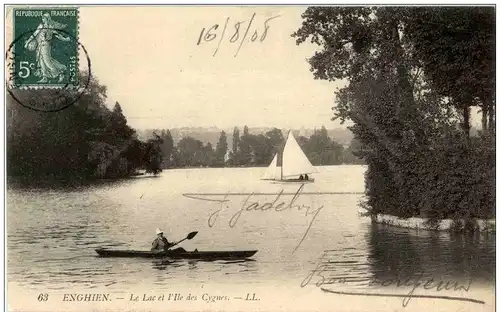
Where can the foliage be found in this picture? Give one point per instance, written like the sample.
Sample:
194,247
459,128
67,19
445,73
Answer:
321,150
465,68
245,148
352,154
85,140
167,148
153,155
234,155
221,150
407,92
260,149
189,152
255,150
89,140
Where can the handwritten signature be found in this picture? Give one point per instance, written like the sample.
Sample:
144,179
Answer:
255,206
319,275
236,35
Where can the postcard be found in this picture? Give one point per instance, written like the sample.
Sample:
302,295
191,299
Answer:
250,158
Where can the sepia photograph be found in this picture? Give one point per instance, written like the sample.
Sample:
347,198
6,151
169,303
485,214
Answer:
250,157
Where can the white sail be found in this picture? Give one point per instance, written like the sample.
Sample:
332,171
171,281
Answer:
295,162
273,171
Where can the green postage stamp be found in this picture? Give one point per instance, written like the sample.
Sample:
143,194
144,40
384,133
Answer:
45,48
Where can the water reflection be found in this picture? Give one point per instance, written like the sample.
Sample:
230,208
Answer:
192,264
162,264
400,253
45,185
71,184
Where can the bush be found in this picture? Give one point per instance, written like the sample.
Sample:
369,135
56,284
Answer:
453,179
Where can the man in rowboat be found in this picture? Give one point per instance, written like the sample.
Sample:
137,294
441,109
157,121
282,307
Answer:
161,243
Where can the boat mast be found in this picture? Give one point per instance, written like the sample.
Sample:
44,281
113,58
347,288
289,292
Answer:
281,165
282,150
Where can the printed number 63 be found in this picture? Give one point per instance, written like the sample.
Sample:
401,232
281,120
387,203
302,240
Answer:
27,69
43,297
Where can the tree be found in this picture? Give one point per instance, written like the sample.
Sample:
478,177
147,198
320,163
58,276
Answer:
175,158
363,45
118,130
134,154
464,39
262,150
302,141
153,156
221,150
208,155
236,140
403,119
190,151
234,156
245,151
353,154
167,147
276,141
85,140
322,150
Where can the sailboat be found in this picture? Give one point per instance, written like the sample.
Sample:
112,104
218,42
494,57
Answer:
273,171
293,164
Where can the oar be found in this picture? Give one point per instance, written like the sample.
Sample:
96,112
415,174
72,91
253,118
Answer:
190,236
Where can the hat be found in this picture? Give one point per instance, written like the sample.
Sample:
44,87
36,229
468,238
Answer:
158,231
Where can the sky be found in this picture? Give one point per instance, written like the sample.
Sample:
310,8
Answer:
168,67
151,62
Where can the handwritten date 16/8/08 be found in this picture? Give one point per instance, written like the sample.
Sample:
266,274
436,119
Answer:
236,33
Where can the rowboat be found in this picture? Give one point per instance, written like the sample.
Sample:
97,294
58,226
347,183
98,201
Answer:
173,254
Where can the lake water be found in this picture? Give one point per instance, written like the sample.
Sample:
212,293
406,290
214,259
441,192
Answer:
52,234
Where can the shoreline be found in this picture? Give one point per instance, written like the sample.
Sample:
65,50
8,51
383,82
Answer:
447,225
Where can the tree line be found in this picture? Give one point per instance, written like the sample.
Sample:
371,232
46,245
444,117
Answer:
250,150
90,141
413,75
84,141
